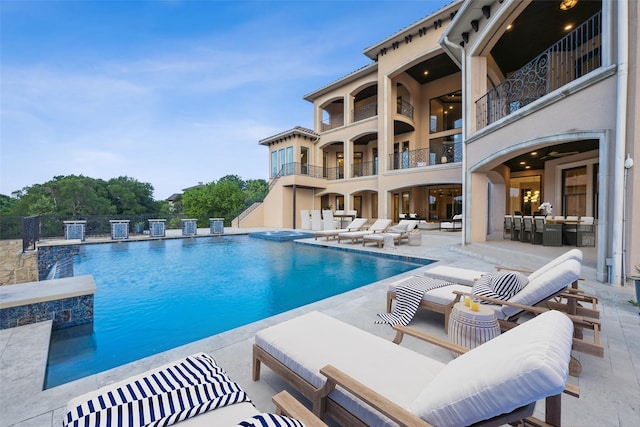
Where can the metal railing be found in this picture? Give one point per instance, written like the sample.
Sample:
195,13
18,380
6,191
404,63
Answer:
30,232
334,173
297,168
365,111
245,213
575,55
405,109
423,157
364,169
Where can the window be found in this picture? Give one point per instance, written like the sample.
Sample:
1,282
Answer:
374,152
340,165
289,161
525,195
357,205
339,203
304,160
447,149
405,202
357,164
445,112
325,164
444,202
280,160
274,164
574,191
374,205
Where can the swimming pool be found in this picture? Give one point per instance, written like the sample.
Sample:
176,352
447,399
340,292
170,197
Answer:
156,295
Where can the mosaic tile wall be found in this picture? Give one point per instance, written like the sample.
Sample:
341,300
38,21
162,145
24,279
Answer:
65,313
48,256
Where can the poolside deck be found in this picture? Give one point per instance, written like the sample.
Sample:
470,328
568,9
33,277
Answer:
610,387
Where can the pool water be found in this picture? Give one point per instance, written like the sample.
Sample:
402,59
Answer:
156,295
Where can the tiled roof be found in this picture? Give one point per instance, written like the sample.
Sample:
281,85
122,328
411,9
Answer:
298,130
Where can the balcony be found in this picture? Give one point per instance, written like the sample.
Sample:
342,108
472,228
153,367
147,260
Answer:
365,111
301,169
364,169
575,55
425,157
331,124
405,109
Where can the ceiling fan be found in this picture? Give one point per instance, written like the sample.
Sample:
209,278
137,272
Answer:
553,154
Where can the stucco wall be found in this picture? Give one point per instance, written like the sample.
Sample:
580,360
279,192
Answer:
15,266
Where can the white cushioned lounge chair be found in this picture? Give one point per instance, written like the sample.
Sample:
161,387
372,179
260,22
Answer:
398,233
453,224
572,301
316,220
355,225
378,226
193,391
545,284
384,384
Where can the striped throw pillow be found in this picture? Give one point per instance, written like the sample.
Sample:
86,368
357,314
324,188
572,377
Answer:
500,285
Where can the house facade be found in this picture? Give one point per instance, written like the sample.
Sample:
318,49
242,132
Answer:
484,108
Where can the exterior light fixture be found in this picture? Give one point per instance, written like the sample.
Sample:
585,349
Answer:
426,72
628,163
568,27
568,4
510,26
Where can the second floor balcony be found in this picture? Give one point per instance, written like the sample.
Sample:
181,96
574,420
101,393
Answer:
572,57
426,157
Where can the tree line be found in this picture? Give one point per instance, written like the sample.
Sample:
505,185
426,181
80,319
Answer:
78,195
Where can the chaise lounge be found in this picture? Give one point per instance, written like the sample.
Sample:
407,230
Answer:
544,285
378,226
193,391
572,301
398,233
381,383
355,225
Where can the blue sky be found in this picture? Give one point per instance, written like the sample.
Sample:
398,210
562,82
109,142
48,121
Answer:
170,92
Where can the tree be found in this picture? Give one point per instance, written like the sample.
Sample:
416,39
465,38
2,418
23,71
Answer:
130,196
226,198
7,204
256,190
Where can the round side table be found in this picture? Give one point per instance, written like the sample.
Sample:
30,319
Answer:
471,328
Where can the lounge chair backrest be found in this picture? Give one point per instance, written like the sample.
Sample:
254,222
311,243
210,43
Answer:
410,224
587,220
544,286
316,220
306,219
380,225
327,220
357,224
571,254
352,212
523,365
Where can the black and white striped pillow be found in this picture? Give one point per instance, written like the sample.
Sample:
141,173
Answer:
500,285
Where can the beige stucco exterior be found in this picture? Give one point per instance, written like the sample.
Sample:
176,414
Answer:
381,142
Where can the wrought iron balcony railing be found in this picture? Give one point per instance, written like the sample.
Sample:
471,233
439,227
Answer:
575,55
365,111
405,109
425,157
297,168
364,169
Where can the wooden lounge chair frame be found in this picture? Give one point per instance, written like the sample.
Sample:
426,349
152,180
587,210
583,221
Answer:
323,404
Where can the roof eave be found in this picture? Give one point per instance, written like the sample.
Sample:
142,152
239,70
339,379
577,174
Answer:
372,51
341,82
